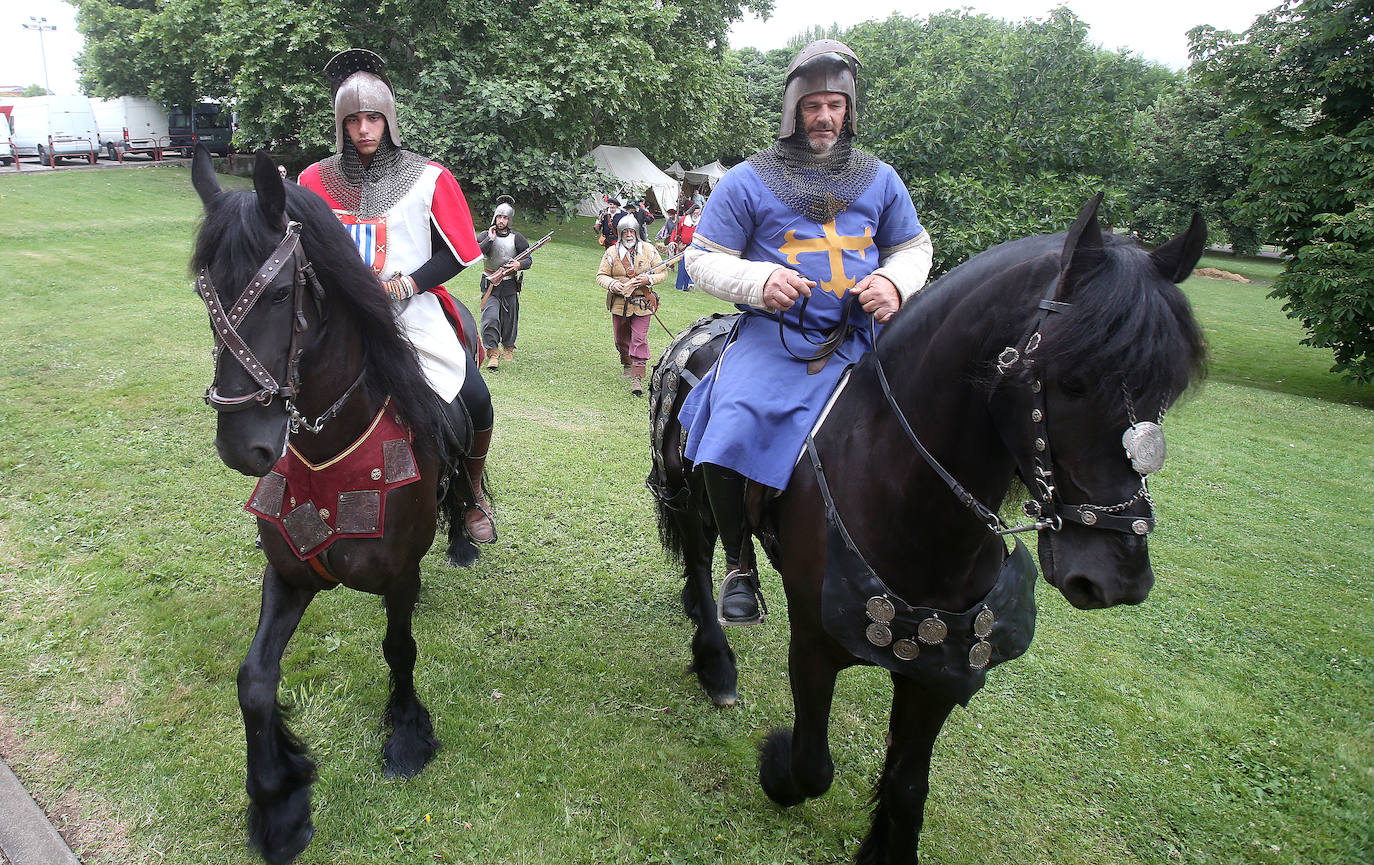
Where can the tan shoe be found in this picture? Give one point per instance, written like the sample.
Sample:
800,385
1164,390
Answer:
509,353
493,359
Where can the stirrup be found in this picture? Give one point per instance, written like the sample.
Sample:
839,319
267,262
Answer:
491,518
751,581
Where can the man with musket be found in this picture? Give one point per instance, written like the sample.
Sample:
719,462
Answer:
411,223
503,276
629,270
815,217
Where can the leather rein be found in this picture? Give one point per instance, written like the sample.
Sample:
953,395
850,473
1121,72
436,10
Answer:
287,255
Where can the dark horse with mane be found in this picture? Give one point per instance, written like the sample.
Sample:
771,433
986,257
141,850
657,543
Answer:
1029,360
303,331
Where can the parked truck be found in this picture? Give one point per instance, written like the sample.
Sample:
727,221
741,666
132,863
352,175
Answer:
53,127
131,124
208,123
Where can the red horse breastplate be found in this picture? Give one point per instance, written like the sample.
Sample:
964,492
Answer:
315,505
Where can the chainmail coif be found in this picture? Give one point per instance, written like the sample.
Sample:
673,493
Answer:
369,191
817,186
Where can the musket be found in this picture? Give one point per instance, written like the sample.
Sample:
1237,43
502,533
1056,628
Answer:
531,248
657,267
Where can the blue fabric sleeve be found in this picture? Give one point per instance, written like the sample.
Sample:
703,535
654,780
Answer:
727,220
899,222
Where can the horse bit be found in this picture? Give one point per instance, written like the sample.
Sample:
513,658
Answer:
225,327
1143,442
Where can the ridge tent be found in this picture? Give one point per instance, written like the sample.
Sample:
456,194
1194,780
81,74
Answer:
675,171
706,176
635,177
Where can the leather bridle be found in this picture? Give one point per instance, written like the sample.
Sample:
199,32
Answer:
1047,509
287,256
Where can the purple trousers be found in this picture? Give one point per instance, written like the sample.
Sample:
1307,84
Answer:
631,338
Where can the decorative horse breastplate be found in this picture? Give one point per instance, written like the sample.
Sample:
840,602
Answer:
946,651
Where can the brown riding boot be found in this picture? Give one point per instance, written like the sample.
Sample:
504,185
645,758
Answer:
637,379
479,521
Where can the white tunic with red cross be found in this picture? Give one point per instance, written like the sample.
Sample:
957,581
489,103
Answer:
400,242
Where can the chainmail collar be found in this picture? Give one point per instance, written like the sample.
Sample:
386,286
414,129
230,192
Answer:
817,186
369,191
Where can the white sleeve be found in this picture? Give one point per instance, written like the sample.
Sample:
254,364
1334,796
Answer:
908,264
728,277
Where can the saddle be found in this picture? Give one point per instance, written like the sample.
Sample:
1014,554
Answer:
679,369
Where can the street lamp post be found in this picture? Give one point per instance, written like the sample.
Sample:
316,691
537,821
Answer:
41,24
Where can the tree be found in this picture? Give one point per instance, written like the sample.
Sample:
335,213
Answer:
1303,79
1190,149
1000,130
512,95
34,90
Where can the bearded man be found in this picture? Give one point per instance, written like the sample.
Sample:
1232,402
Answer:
503,272
412,226
810,217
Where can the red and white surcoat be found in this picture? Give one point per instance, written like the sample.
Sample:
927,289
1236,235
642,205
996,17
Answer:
400,242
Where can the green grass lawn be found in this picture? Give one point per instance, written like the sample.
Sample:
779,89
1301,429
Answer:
1226,720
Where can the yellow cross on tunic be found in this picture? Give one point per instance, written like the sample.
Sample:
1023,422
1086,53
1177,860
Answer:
833,244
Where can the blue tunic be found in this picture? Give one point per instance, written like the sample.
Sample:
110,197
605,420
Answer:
752,412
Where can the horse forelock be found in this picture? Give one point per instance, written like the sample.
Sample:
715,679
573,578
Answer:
233,242
1128,325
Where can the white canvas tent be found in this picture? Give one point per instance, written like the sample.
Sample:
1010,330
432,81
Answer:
675,171
706,175
635,176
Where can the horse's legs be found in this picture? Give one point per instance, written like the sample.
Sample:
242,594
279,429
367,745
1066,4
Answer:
712,658
900,797
280,770
412,743
795,764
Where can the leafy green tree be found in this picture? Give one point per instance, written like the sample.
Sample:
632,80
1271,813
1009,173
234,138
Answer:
34,90
1000,130
512,95
1190,148
1303,78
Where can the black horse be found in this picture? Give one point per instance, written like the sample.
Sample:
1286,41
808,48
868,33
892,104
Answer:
303,330
1028,360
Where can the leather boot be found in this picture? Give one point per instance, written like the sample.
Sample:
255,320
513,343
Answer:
741,600
479,521
493,359
509,353
637,379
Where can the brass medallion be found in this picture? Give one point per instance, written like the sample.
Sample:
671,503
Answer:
932,631
880,609
982,623
979,655
906,650
879,634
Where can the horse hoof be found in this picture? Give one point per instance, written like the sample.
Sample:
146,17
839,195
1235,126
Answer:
280,844
408,756
775,769
461,554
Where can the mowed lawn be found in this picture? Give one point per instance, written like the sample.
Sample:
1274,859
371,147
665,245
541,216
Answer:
1228,719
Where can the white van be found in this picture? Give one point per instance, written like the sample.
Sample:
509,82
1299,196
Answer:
55,126
130,124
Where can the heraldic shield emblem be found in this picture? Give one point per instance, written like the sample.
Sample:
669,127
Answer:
370,237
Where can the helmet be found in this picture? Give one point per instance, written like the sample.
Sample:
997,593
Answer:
626,223
505,206
358,82
824,66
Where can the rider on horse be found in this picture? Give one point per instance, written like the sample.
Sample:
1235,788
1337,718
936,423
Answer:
412,226
810,219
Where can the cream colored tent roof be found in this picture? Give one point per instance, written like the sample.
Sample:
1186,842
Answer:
635,176
675,171
706,175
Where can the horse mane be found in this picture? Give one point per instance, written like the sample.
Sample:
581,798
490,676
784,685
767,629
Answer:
1127,323
236,237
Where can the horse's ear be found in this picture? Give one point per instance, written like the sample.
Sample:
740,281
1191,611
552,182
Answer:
1082,246
203,176
1177,258
271,191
